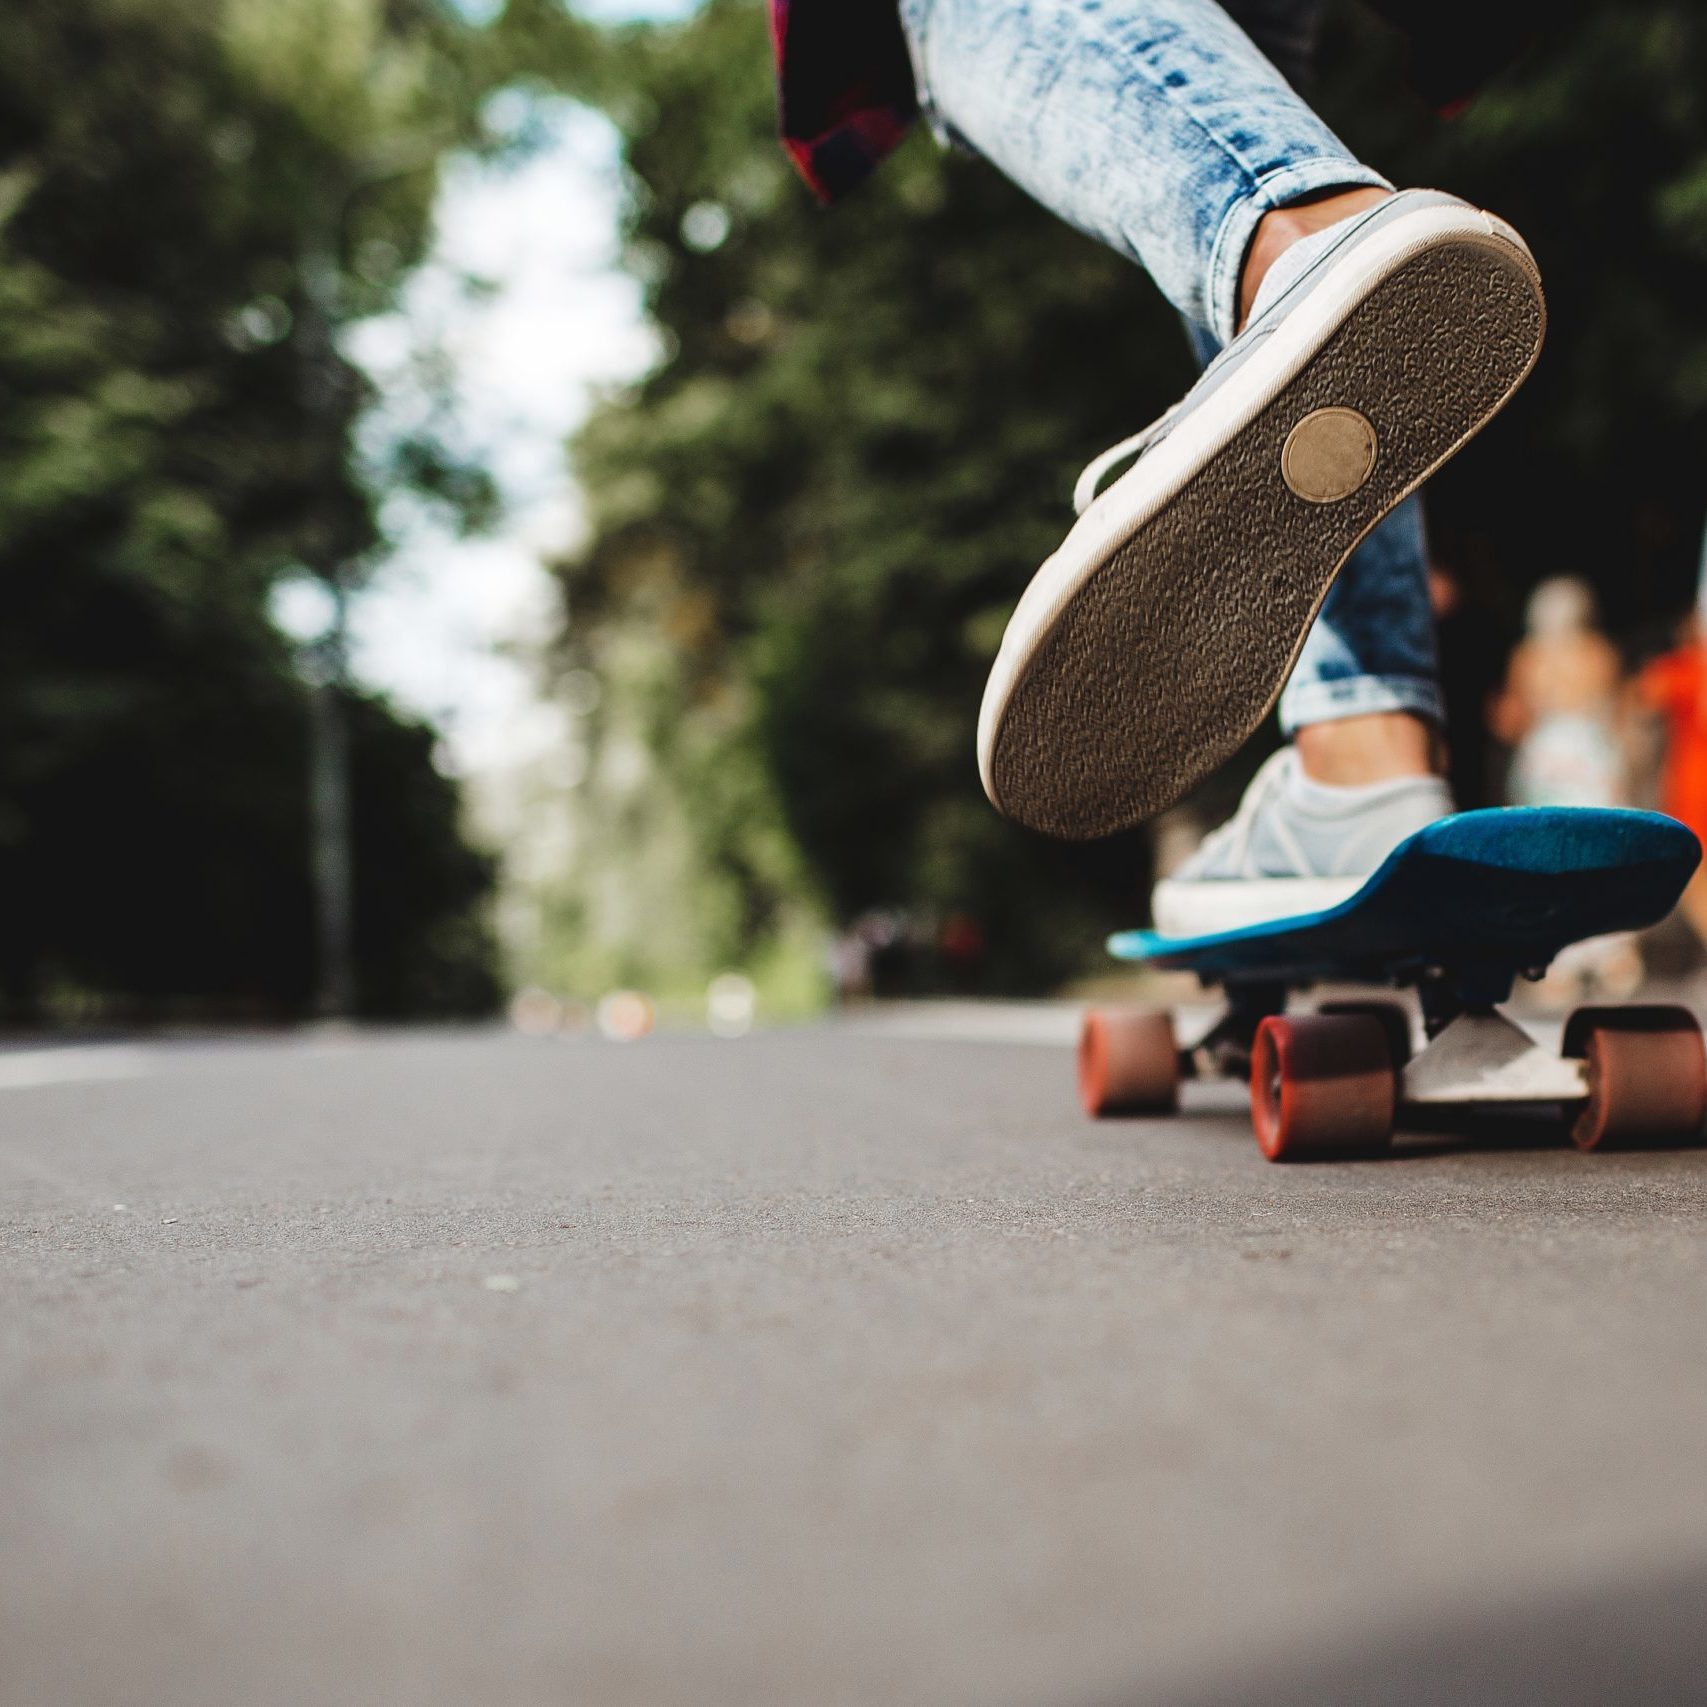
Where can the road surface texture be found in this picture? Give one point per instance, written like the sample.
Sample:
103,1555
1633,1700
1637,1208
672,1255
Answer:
839,1365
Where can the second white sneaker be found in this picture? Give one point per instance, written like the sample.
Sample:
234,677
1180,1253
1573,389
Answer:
1294,846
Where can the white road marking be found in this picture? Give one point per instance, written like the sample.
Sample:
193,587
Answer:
27,1069
1053,1024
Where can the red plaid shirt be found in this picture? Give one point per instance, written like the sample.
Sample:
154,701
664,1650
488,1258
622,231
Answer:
844,85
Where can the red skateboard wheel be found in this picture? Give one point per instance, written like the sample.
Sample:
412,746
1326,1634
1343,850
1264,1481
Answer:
1322,1085
1647,1076
1128,1062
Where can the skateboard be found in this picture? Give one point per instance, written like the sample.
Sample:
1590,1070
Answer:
1458,912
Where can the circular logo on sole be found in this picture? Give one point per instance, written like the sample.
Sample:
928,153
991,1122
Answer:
1328,455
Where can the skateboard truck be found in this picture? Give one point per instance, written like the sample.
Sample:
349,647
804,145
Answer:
1445,993
1474,1054
1224,1050
1482,1057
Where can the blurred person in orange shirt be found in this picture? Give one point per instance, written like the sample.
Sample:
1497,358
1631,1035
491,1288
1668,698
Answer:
1675,686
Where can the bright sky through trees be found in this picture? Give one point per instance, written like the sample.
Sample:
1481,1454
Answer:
553,322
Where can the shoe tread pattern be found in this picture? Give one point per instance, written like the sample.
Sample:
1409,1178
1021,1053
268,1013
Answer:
1173,651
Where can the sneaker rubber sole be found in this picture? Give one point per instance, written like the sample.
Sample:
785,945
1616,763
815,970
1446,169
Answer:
1154,642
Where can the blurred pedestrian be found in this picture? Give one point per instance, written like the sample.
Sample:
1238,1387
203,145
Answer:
1561,710
1364,335
961,945
1674,686
1561,713
849,957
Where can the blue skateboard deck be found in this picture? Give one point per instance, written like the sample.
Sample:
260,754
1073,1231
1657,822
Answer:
1480,896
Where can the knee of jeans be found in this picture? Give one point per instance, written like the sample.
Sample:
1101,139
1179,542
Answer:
915,28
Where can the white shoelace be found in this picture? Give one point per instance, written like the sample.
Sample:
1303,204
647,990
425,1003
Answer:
1089,484
1293,264
1235,836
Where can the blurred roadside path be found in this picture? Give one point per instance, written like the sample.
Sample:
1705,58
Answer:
845,1364
1054,1024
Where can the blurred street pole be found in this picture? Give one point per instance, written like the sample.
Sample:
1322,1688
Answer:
329,816
331,857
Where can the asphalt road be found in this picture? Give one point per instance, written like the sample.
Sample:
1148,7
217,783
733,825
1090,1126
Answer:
819,1367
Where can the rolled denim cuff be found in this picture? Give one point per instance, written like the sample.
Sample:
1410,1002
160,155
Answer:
1304,703
1274,189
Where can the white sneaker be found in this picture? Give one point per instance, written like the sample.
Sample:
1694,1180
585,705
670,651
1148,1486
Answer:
1152,643
1294,846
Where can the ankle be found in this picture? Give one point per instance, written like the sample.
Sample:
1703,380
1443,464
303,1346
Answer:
1353,752
1281,227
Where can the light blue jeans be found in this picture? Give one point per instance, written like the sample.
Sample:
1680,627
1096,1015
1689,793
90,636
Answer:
1160,128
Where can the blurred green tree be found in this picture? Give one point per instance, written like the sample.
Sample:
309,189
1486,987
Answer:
810,519
193,198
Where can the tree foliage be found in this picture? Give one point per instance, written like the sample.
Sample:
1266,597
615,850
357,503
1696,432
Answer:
193,198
